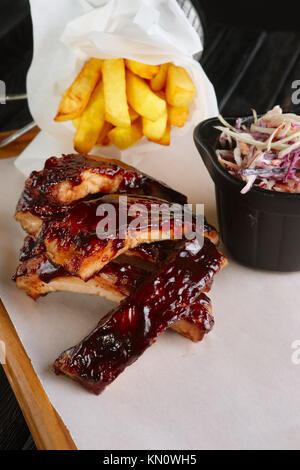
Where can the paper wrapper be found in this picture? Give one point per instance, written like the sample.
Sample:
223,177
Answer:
67,33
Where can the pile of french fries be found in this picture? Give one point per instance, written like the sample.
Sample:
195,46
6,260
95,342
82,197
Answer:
118,101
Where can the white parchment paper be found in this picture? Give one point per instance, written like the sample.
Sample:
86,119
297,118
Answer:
67,33
237,389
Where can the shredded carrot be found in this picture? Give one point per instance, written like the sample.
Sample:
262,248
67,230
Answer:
284,187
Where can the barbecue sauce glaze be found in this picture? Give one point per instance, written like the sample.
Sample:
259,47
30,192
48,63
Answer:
125,333
69,168
76,234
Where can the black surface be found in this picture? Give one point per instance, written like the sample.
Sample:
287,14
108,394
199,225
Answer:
16,55
249,64
268,15
252,68
14,433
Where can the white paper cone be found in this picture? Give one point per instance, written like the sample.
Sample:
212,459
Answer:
68,33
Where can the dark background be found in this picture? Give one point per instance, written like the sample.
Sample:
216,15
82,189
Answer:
251,55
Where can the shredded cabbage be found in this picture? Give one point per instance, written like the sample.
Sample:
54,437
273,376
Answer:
265,154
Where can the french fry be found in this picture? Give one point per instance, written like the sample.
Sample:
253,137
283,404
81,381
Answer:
166,138
116,107
106,142
76,122
130,102
133,114
125,138
178,115
142,99
180,89
103,136
154,130
142,70
158,82
91,122
76,97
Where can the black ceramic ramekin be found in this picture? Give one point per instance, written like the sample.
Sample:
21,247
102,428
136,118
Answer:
261,228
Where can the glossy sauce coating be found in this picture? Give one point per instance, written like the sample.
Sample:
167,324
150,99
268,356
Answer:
38,205
44,208
34,249
70,168
152,252
77,231
126,277
199,314
148,251
32,246
125,333
123,275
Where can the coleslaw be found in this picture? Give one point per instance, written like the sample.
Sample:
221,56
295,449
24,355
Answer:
265,154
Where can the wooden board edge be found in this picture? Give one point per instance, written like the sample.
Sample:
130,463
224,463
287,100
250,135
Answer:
15,148
47,428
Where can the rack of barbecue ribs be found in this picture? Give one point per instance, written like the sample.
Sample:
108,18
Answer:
157,274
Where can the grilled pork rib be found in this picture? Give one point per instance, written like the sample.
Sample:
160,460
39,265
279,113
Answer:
146,252
63,181
73,177
37,276
74,241
123,335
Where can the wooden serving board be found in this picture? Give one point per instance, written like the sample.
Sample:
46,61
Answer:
16,147
46,427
